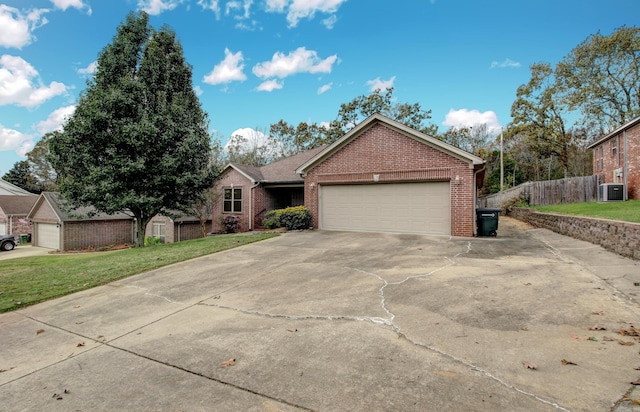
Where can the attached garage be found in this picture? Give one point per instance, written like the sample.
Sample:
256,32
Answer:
423,207
384,176
48,235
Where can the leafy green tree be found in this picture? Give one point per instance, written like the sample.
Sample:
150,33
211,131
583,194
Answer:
138,140
41,169
20,175
540,112
290,140
475,139
602,78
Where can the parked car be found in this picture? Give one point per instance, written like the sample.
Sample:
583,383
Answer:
8,242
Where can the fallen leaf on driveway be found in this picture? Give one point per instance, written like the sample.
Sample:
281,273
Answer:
529,365
597,328
629,332
593,338
230,362
625,342
7,370
607,339
597,312
80,344
39,331
566,362
635,383
293,330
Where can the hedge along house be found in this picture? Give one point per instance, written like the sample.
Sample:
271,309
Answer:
383,176
55,227
616,156
249,192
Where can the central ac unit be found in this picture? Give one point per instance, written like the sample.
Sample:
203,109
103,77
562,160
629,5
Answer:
611,192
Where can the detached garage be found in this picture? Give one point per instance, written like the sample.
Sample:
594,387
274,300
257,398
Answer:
57,227
383,176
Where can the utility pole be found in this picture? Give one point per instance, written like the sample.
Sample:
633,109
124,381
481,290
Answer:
501,162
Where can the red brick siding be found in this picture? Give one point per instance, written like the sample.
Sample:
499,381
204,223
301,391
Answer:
239,181
610,162
396,158
82,235
16,225
262,204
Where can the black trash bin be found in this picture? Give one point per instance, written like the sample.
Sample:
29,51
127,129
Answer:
487,221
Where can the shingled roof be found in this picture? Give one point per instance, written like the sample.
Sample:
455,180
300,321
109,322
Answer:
64,213
7,188
17,205
281,171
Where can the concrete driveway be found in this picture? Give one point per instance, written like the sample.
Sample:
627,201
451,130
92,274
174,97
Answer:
334,321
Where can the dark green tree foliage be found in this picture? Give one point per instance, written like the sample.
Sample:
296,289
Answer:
138,140
290,139
20,175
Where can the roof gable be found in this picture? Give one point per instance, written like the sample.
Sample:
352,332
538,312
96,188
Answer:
403,129
280,171
7,188
65,213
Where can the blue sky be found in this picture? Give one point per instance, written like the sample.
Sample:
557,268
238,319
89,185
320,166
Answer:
258,61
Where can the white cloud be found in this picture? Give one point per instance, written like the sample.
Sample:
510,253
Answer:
90,69
299,61
228,70
55,120
198,91
233,6
213,5
330,21
17,27
155,7
270,85
382,85
248,140
21,85
469,118
305,9
14,140
76,4
505,64
325,88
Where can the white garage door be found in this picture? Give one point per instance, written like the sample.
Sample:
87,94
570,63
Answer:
399,207
3,228
48,235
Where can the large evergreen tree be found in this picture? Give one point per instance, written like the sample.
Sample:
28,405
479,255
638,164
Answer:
138,140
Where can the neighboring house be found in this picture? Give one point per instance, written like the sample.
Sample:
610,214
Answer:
381,176
617,157
56,227
13,214
7,188
175,230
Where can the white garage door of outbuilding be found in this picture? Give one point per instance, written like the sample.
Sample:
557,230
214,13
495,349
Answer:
48,235
423,208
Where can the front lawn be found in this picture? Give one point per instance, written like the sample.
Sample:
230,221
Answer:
628,211
29,280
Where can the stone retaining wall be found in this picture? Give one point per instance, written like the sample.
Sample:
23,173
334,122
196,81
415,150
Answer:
619,237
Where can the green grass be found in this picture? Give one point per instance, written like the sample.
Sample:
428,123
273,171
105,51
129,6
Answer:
628,211
29,280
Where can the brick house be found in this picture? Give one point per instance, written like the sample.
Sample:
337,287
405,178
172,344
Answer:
54,227
616,156
13,214
381,176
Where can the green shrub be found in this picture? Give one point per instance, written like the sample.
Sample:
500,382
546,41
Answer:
151,241
292,218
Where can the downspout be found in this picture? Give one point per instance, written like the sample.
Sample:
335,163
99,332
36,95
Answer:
625,166
251,217
475,199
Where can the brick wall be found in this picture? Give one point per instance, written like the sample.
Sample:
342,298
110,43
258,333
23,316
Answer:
189,230
609,155
16,225
239,181
396,158
619,237
82,235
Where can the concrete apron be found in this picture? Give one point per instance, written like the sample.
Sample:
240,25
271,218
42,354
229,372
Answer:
340,321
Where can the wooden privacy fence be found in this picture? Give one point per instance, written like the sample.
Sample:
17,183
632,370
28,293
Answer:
549,192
